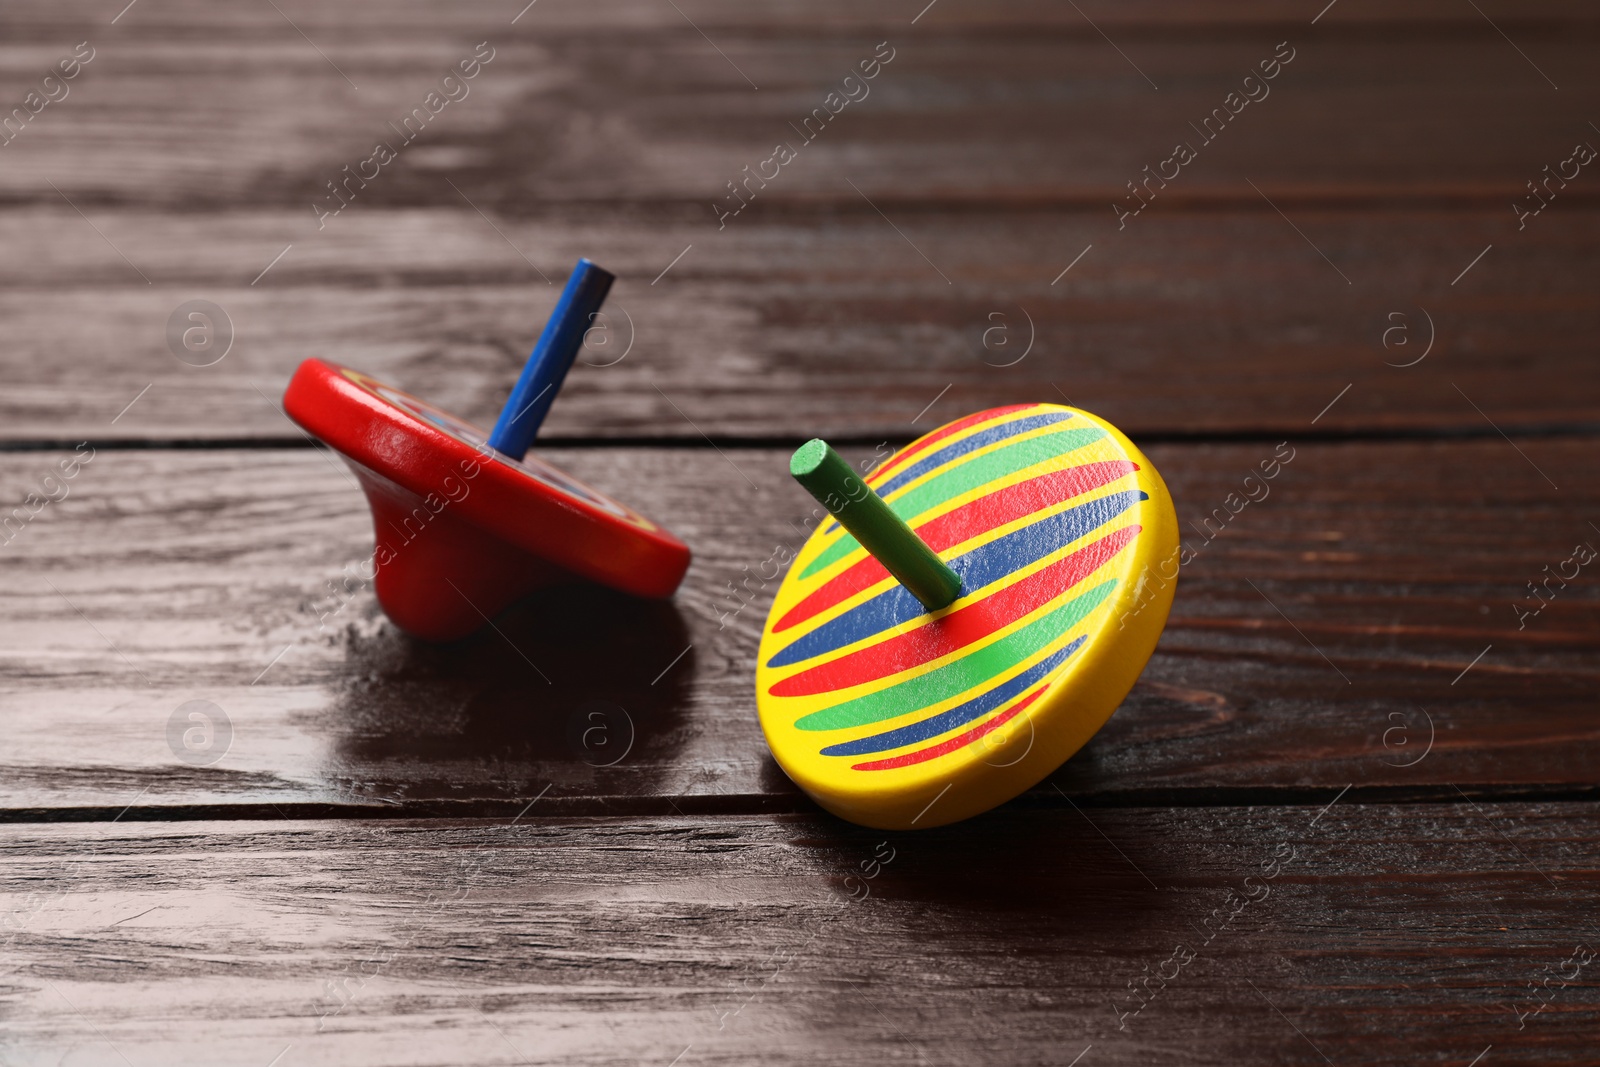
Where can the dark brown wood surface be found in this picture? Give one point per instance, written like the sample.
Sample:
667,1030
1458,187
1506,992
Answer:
417,854
1371,934
1193,324
995,142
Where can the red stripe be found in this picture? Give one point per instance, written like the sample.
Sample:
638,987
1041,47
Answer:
954,527
922,444
923,755
959,628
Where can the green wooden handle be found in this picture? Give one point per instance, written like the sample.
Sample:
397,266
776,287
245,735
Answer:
903,554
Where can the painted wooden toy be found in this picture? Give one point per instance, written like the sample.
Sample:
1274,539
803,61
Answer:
969,615
467,522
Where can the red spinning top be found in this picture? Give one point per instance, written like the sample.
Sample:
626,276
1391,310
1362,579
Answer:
465,522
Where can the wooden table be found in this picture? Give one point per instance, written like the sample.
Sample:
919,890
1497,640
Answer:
1349,815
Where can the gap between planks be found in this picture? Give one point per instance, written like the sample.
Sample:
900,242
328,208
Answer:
755,804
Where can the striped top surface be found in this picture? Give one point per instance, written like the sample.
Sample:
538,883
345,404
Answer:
1034,507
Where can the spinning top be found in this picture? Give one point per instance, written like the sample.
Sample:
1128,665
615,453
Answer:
973,611
467,522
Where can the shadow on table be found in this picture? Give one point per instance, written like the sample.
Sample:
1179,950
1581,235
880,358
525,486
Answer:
569,686
1025,858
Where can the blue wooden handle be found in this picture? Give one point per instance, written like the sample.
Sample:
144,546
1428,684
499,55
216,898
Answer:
552,356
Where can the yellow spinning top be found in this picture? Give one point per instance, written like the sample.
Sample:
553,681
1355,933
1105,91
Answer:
973,611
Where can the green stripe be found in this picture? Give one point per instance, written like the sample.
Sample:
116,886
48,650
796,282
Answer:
957,677
965,477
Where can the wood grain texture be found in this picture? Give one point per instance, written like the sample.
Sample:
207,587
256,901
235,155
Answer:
1372,934
1186,323
1333,633
196,142
198,106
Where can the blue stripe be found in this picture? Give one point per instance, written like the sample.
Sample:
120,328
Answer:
970,444
981,567
960,715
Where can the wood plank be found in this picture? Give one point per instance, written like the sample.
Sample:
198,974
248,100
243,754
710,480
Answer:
1362,934
1133,16
1184,323
632,101
1336,633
